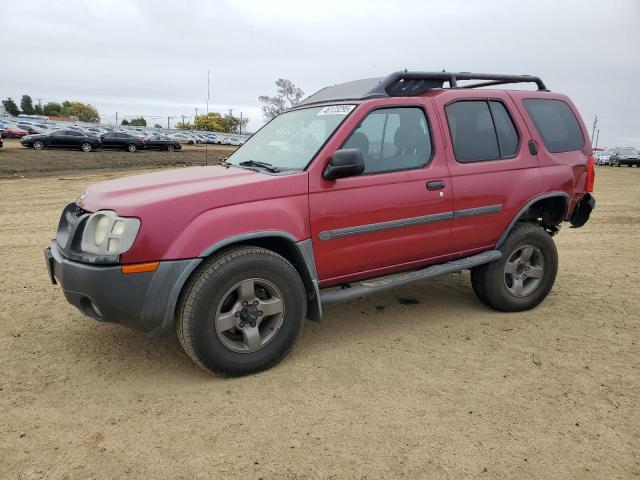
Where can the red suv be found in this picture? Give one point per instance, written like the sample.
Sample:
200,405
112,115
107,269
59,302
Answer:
363,186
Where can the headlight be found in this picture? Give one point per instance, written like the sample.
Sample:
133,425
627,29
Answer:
108,234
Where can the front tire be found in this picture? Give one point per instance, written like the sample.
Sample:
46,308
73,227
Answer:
38,145
132,148
171,148
524,275
241,312
86,147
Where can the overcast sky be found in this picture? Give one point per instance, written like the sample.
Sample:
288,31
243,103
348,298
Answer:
151,57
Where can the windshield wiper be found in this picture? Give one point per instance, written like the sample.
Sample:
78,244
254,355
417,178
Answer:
265,165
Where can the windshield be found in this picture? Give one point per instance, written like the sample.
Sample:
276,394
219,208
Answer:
628,151
291,140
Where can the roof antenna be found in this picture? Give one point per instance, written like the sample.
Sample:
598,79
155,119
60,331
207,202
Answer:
206,143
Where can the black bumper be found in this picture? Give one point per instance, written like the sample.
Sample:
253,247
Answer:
583,210
142,301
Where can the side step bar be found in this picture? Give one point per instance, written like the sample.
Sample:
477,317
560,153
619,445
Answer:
368,287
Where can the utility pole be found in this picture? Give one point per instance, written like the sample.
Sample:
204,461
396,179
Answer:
183,119
168,127
240,123
116,119
597,137
593,132
196,117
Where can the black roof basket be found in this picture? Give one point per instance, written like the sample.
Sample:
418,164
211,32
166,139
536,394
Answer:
405,84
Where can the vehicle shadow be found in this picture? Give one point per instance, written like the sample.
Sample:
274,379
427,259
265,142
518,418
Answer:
113,348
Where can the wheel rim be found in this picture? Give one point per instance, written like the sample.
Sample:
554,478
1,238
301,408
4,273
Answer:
86,147
171,148
38,145
524,270
249,315
132,148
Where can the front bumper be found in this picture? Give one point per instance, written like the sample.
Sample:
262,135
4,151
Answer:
142,301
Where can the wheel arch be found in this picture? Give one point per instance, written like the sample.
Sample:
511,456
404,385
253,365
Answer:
298,252
550,208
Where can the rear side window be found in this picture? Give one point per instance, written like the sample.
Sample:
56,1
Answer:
481,130
556,124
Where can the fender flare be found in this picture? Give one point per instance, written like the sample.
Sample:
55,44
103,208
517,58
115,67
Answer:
304,249
526,207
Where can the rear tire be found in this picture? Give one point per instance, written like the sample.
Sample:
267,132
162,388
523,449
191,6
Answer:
86,147
38,145
171,148
524,275
132,148
222,320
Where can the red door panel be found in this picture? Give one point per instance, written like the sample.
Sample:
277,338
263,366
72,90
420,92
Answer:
372,224
488,194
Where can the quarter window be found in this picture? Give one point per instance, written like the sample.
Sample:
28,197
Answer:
556,124
392,139
481,130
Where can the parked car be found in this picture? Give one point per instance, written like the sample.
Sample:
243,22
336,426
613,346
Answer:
183,138
16,132
31,128
234,141
603,157
157,141
625,156
3,131
61,139
123,141
239,253
1,144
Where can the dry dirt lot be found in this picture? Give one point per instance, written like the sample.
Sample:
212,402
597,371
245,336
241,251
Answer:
17,161
421,382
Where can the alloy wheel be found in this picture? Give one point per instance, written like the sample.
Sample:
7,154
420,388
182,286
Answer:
524,270
249,315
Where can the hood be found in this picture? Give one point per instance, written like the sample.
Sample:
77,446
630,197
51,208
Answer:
192,190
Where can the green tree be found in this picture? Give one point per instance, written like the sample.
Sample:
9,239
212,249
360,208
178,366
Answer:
125,122
53,109
184,126
212,122
26,105
157,125
138,122
287,96
84,112
37,109
11,107
215,122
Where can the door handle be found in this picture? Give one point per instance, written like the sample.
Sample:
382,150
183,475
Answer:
435,185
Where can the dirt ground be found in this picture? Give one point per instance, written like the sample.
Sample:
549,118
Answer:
17,161
422,382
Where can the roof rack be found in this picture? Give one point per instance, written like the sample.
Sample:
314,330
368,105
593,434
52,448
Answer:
405,83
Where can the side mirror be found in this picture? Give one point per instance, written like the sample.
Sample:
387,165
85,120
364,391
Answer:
347,162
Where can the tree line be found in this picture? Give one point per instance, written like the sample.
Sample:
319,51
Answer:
82,111
216,122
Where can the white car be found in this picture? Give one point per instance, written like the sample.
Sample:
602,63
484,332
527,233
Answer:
182,138
603,157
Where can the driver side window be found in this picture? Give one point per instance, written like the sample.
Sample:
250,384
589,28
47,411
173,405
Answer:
392,139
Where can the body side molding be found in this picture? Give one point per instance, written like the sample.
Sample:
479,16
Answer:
408,222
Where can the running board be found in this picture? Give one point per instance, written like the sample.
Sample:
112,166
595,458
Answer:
367,287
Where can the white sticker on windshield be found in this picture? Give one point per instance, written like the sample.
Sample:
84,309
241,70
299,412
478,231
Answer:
336,110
